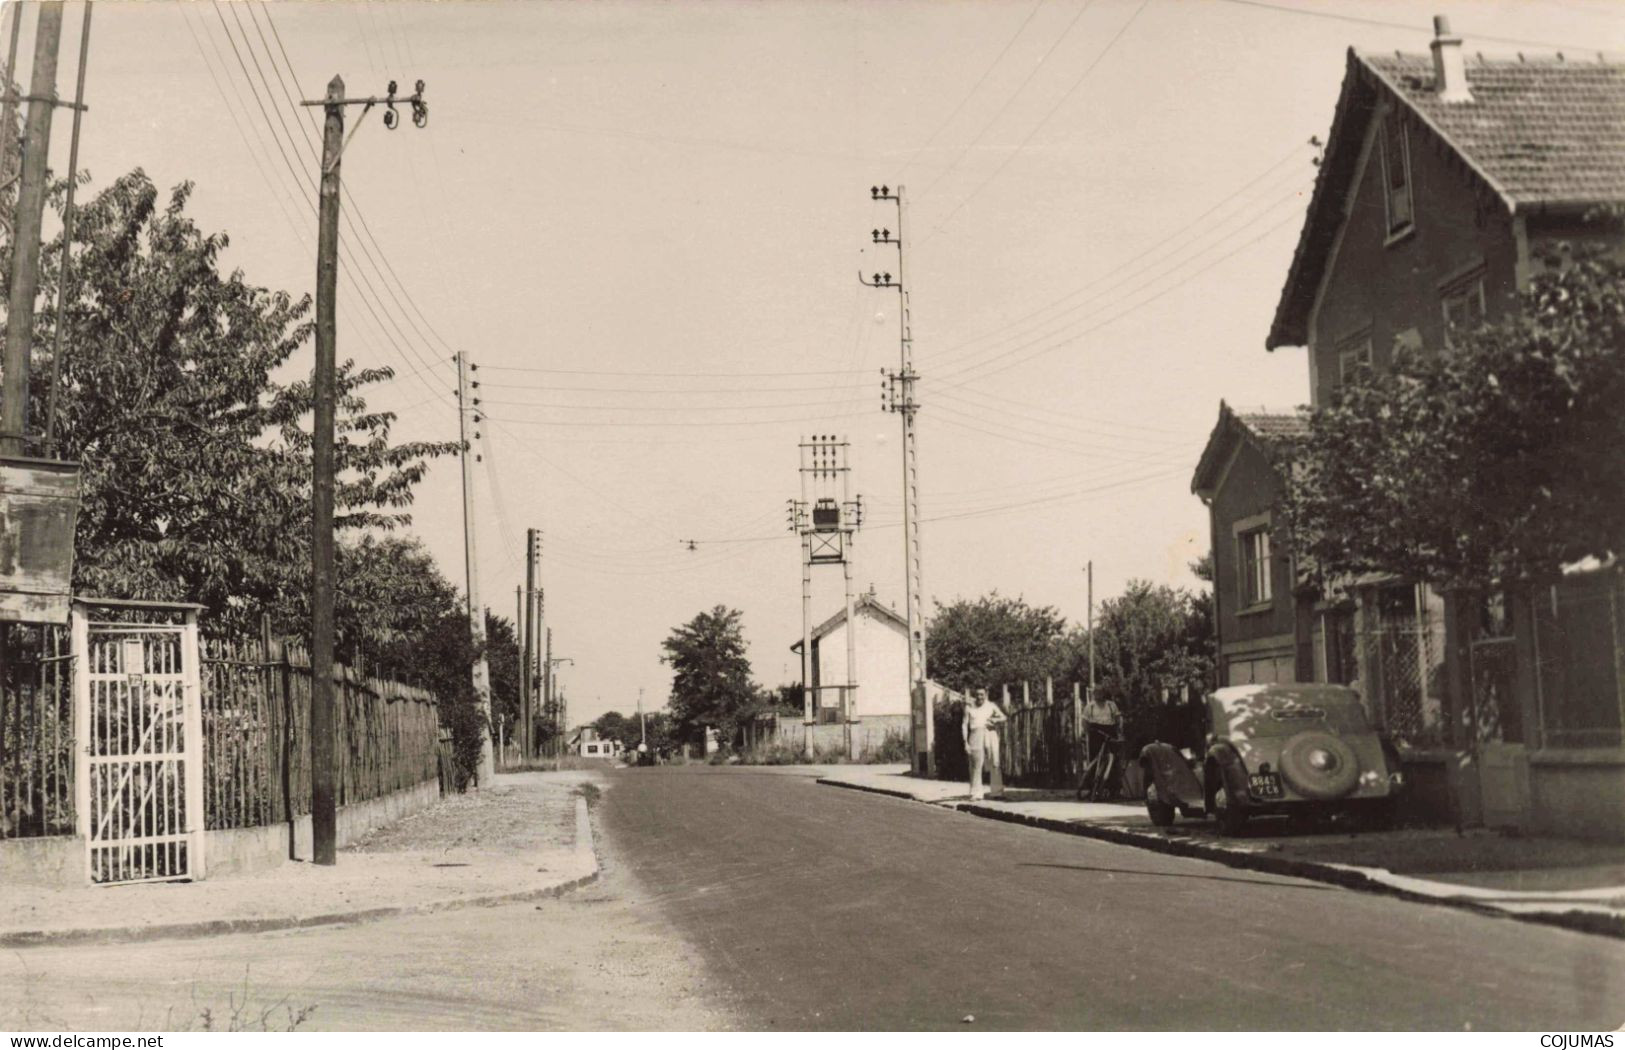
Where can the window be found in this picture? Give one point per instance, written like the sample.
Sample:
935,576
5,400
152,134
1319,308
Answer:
1463,304
1255,567
1353,355
1396,169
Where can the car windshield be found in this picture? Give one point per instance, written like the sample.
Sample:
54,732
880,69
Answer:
1285,711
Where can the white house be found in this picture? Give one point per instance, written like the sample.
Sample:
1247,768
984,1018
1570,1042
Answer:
880,671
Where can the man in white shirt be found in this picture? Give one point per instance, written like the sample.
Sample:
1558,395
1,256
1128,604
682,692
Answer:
980,730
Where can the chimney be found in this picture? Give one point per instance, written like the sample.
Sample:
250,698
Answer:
1449,66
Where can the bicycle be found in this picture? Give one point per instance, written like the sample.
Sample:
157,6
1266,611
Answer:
1095,779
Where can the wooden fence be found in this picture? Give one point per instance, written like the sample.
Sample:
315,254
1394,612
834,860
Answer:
1042,744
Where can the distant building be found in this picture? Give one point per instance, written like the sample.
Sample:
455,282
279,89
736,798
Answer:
586,743
880,673
1442,179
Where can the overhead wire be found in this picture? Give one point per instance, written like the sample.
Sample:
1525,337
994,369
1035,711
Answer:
1090,68
999,113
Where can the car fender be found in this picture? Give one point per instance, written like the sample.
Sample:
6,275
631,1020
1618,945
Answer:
1176,782
1232,771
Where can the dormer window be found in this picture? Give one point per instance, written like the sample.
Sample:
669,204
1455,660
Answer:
1396,174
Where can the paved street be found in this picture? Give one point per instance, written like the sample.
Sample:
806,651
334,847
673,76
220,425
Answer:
755,898
824,908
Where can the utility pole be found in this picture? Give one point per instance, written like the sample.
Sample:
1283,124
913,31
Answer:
323,801
527,707
8,111
547,687
467,418
1089,626
66,266
899,398
643,726
25,232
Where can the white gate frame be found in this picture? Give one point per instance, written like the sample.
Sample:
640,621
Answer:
191,753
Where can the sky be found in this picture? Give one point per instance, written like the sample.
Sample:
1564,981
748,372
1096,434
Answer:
643,223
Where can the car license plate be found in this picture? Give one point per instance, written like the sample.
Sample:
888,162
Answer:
1265,785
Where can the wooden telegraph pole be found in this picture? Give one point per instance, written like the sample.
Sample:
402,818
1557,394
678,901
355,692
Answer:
323,798
25,232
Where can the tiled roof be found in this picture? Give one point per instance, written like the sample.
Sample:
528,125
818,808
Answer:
1541,132
1275,426
1271,430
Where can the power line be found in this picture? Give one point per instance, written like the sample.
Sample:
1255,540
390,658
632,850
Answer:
1409,27
1130,283
986,72
1090,68
1009,100
351,270
968,377
1127,266
662,375
348,196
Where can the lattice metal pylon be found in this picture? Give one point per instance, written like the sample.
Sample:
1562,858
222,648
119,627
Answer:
826,517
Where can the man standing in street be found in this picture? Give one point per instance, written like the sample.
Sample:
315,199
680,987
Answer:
980,730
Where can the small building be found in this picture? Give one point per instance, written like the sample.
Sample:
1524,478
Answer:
880,674
1444,177
586,743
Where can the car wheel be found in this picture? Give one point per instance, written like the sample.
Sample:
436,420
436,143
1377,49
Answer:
1160,812
1232,818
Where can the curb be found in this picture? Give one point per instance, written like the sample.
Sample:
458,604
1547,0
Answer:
224,927
1338,875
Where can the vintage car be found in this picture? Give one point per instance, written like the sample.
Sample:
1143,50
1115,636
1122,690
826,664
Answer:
1295,748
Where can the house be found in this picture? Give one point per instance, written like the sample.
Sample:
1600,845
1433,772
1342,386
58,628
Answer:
880,675
585,742
1444,177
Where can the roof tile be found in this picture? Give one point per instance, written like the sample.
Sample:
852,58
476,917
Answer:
1544,131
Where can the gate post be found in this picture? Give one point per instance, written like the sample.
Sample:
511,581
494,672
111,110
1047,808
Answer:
192,694
79,647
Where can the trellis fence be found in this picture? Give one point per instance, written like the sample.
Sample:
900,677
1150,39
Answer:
256,719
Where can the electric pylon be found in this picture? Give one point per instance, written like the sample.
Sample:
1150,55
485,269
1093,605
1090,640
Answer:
826,517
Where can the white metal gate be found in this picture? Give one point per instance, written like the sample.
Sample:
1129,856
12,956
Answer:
139,776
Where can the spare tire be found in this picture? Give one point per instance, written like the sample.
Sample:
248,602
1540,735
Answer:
1318,765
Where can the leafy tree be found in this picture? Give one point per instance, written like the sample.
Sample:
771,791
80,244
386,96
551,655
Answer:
993,639
196,462
711,683
503,657
612,725
1151,640
1495,461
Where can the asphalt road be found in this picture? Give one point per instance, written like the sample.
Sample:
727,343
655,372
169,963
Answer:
821,908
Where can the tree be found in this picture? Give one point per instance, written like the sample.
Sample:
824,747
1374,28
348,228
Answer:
993,639
1151,641
612,725
195,462
711,684
1493,462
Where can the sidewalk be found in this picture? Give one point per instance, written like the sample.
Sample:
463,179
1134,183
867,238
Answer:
1575,884
526,837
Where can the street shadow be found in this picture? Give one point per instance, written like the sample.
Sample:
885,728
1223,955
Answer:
1179,875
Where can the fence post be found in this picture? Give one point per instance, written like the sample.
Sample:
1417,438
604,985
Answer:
1051,733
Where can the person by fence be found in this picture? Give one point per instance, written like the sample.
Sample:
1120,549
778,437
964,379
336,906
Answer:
1103,727
980,730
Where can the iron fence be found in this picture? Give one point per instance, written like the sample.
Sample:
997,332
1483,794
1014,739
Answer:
36,731
256,741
